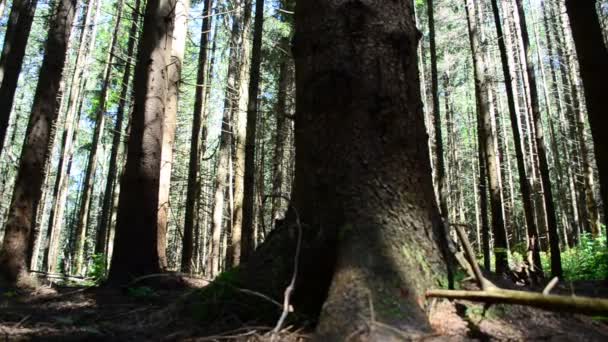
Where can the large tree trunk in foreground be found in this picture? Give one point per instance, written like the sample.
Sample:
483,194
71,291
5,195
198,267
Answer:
592,55
34,156
15,41
139,196
363,176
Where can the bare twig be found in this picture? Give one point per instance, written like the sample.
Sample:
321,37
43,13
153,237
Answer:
290,288
484,283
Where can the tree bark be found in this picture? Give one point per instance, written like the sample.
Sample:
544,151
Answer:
592,55
34,155
15,41
362,176
137,218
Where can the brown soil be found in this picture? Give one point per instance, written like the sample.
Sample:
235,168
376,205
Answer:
140,313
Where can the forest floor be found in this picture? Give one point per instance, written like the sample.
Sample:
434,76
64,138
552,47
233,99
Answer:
145,314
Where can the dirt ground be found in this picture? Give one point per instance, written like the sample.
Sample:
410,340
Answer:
141,313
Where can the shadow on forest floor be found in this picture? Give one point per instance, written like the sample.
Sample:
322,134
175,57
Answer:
143,313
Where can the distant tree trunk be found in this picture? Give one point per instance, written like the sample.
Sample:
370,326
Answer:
221,175
34,155
15,41
100,118
72,118
592,56
436,117
199,116
140,183
239,115
524,185
556,266
108,195
487,141
174,71
281,138
248,231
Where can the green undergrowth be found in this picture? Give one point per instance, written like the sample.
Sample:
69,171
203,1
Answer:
586,261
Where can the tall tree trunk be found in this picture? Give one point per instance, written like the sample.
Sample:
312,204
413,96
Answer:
436,116
222,175
174,71
72,118
15,41
34,155
100,117
109,192
281,137
248,231
487,140
358,130
556,265
524,185
140,183
592,55
239,115
199,116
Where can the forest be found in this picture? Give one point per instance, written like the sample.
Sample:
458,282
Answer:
303,170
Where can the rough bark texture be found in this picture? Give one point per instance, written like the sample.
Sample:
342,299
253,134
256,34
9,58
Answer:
137,218
28,185
193,190
592,56
15,40
363,177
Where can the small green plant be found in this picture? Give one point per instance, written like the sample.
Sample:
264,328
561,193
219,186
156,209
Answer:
97,270
586,261
141,292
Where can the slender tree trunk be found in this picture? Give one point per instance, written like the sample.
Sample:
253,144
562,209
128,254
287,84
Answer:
110,189
199,117
524,185
592,55
34,155
100,117
72,118
239,115
556,266
221,175
174,70
141,180
487,140
248,230
15,41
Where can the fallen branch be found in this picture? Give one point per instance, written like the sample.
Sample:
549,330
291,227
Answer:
484,283
580,305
